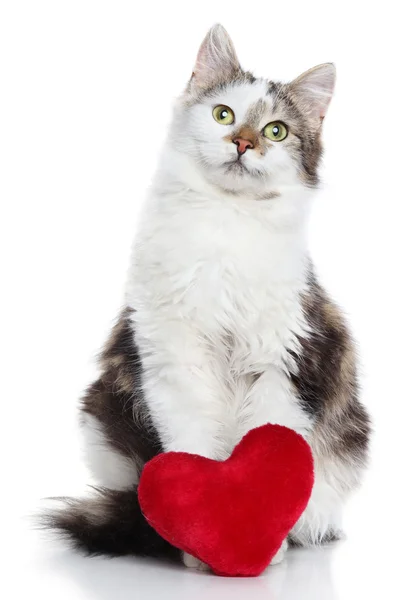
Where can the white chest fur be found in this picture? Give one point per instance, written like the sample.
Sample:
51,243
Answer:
218,259
215,284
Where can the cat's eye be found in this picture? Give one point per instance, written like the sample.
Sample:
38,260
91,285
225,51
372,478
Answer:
223,115
275,131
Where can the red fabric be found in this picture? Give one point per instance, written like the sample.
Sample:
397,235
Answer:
232,515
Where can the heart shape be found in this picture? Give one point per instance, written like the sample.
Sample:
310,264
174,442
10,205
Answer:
232,515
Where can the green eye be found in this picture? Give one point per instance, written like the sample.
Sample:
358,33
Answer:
275,131
223,115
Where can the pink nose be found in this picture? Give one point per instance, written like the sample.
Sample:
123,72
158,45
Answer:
242,145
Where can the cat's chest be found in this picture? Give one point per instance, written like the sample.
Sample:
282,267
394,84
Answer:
222,247
220,269
227,270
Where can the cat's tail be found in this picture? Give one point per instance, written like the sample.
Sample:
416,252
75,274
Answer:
108,522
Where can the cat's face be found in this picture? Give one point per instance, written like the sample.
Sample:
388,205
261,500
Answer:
248,133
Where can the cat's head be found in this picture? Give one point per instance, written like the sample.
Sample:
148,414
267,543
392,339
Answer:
244,132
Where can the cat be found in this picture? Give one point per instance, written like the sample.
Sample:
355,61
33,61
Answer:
225,325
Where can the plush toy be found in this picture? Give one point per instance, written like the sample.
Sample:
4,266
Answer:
232,515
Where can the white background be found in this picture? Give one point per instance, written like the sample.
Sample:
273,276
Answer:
85,94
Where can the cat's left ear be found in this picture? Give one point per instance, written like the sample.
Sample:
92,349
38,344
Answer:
314,89
216,62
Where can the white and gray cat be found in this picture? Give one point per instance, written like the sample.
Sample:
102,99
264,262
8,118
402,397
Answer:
225,326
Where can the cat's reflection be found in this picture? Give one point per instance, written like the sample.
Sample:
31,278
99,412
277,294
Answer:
305,574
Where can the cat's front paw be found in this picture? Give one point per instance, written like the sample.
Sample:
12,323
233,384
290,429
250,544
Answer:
280,555
194,563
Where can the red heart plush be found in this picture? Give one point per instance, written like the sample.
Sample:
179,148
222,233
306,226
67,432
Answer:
232,515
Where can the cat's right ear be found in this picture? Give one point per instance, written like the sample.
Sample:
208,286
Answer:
216,62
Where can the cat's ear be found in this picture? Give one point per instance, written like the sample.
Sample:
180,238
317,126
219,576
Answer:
314,89
216,60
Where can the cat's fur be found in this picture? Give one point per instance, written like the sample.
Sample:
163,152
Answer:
225,326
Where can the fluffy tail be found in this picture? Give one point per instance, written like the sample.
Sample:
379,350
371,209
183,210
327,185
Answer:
109,522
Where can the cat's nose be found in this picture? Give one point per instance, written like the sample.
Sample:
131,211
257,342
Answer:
242,145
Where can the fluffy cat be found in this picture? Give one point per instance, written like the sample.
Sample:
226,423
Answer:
225,325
